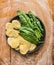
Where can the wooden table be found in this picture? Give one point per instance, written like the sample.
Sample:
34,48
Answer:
8,10
53,48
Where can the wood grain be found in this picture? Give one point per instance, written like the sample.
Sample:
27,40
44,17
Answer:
53,46
44,56
41,9
4,48
51,5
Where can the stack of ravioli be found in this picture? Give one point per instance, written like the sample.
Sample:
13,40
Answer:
15,40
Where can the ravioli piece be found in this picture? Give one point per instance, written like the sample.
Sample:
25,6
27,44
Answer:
32,47
16,24
13,42
23,49
12,33
23,41
8,26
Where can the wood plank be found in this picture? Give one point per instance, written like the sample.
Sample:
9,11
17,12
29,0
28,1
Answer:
42,11
4,18
7,11
4,48
53,46
51,5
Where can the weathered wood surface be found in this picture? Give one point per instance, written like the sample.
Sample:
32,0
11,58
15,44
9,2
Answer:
53,46
8,10
4,48
51,5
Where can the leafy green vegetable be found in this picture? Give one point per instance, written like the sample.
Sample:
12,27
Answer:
29,37
35,20
27,29
38,34
31,28
24,18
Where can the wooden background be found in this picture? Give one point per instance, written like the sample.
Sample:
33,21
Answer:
51,5
7,11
